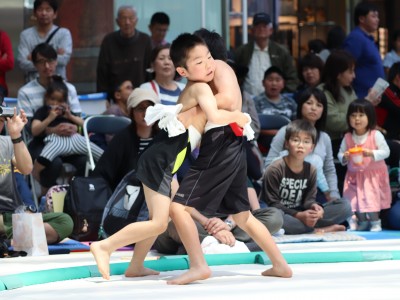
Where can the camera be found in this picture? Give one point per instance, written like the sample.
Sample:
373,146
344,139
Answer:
6,111
58,107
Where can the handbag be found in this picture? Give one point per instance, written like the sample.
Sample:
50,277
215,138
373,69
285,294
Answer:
28,234
85,201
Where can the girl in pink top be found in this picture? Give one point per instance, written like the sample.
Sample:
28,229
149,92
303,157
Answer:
367,180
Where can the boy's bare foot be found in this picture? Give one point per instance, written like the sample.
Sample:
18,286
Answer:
331,228
141,271
281,271
191,275
102,257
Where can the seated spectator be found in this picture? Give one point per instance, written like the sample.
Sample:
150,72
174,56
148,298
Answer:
222,227
163,84
289,184
117,108
119,99
13,153
271,101
159,24
123,151
334,40
55,110
393,55
30,99
312,106
388,114
310,72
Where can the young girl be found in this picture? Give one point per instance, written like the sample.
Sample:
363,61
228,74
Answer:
367,182
55,111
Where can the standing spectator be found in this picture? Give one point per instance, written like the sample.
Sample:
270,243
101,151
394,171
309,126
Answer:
367,180
163,84
45,12
158,27
271,101
124,54
394,55
261,53
6,62
360,43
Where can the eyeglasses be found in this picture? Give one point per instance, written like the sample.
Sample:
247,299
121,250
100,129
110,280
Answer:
42,62
297,142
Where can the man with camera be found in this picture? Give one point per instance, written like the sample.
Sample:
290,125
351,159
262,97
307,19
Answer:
14,154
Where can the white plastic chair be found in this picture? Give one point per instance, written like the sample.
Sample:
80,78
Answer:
104,124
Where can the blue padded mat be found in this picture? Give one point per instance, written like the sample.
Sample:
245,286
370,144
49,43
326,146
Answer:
383,235
66,247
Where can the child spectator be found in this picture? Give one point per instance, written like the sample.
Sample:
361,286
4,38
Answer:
272,102
55,110
367,182
289,184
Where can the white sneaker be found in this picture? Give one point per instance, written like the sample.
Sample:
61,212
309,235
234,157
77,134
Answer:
280,232
376,226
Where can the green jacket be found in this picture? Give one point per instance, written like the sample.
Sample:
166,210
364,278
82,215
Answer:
280,57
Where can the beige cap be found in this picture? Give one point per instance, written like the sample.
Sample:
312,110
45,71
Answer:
139,95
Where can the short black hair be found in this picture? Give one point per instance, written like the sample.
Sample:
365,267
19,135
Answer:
300,125
57,84
274,69
45,50
181,46
310,60
394,71
319,95
362,9
362,106
215,43
53,4
159,18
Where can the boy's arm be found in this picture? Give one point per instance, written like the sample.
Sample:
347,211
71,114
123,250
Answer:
310,194
208,104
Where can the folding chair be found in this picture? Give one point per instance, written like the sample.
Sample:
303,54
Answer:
104,124
269,124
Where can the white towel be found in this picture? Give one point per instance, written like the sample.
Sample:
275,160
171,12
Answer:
247,130
210,245
167,114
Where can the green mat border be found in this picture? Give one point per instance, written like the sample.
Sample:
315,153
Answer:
181,262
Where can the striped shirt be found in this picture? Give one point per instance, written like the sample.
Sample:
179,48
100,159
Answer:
143,143
167,97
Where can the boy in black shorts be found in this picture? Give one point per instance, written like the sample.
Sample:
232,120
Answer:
163,157
217,179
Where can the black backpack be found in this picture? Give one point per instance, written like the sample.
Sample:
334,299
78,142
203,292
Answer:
84,202
126,205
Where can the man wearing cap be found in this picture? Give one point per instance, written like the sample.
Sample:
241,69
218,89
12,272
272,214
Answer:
261,53
123,151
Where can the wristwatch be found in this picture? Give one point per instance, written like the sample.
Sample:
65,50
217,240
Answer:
229,223
31,208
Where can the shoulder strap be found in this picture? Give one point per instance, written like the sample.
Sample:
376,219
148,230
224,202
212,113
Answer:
51,35
153,85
